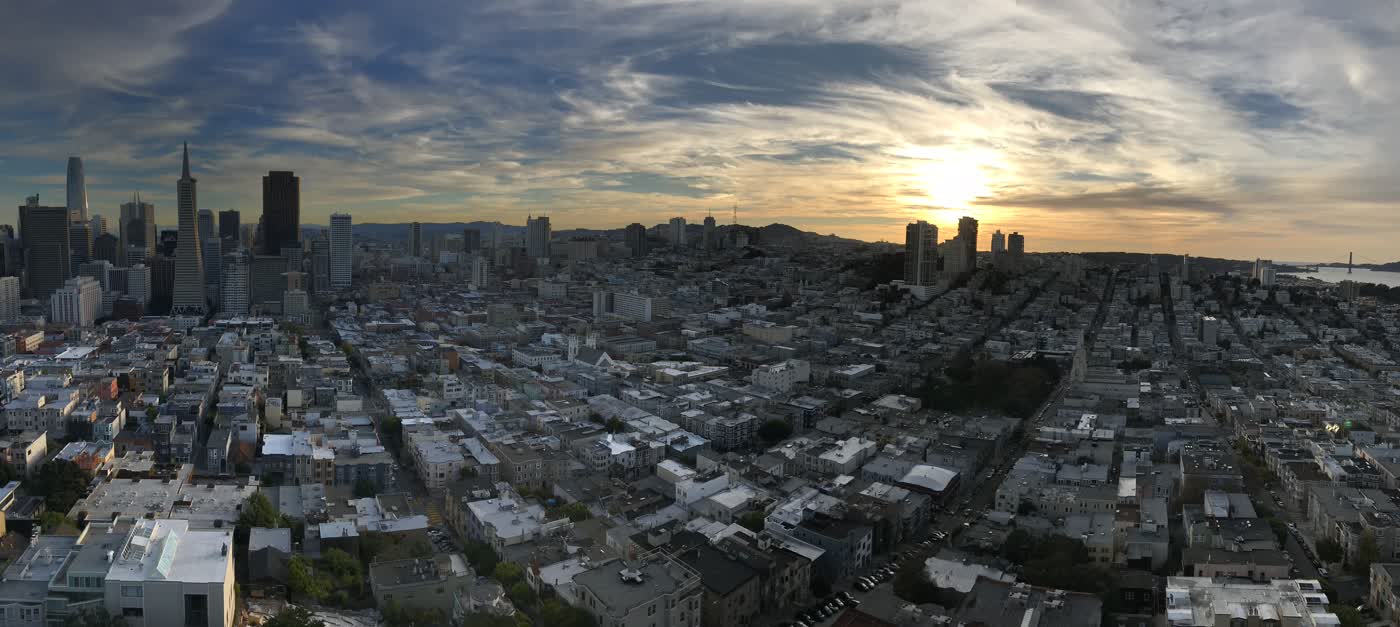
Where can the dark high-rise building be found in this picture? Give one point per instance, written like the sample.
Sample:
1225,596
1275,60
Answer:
1016,249
967,233
105,247
708,239
162,284
11,259
230,233
920,253
415,240
537,237
189,296
165,244
636,236
321,264
136,226
266,283
77,191
471,241
44,234
281,212
79,240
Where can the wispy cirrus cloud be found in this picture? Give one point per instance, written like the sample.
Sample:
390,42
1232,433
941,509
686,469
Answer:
1167,125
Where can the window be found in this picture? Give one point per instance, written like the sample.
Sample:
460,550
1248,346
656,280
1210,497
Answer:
133,591
196,610
133,611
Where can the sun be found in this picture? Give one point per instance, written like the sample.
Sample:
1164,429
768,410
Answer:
947,178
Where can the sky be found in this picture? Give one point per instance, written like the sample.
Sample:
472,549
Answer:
1218,128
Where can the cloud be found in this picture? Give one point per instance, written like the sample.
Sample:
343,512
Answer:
1167,124
1131,198
52,49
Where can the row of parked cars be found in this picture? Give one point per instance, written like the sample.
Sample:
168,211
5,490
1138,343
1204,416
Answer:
823,610
875,578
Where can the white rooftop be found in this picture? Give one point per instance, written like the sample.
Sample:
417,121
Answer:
167,550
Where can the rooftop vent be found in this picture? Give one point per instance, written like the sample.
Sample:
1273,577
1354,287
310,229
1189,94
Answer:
630,575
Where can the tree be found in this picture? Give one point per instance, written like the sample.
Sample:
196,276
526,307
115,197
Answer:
302,582
553,613
753,521
1347,615
364,488
488,620
1280,529
775,431
576,512
1018,546
522,596
94,618
912,584
293,616
62,483
481,556
52,521
615,425
507,573
1329,551
1367,553
258,512
345,570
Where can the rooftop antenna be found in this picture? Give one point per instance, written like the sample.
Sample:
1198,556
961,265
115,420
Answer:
736,214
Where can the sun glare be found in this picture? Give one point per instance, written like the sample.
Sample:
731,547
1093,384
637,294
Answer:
946,178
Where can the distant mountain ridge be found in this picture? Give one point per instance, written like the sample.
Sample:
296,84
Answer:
772,233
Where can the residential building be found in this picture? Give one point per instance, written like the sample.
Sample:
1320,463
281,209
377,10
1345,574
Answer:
920,253
537,237
653,591
636,239
168,574
426,583
78,302
677,232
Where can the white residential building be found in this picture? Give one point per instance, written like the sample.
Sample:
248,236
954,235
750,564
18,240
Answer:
782,376
481,272
439,461
234,300
138,284
78,302
168,574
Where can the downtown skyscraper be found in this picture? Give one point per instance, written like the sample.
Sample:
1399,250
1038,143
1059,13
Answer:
636,237
537,236
281,213
342,250
967,234
920,253
43,232
136,227
188,295
415,240
77,191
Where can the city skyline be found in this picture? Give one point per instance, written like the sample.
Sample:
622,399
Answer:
1152,129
